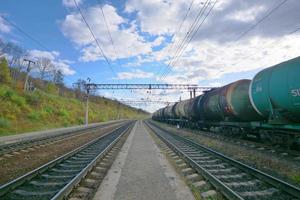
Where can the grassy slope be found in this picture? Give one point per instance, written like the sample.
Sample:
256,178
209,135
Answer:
23,112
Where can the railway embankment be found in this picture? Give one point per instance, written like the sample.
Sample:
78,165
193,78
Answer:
45,109
266,160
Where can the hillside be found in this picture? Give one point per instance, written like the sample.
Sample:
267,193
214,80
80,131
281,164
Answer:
22,112
49,104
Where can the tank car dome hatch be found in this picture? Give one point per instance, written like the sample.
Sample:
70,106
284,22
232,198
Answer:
275,92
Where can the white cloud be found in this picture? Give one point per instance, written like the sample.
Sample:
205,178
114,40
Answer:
43,54
135,74
247,15
158,41
222,4
59,64
4,27
210,56
157,17
70,3
127,41
211,60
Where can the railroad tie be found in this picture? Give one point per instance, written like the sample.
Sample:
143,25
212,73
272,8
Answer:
193,177
244,184
201,185
179,161
260,194
91,183
187,171
222,171
83,192
182,165
233,176
210,194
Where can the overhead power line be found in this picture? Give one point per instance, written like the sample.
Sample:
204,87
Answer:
108,31
272,44
257,23
191,35
38,43
261,20
190,30
26,34
179,29
93,35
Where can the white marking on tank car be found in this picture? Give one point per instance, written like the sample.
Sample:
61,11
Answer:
251,99
295,92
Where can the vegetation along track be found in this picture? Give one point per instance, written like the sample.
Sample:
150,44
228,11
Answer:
232,178
56,179
27,143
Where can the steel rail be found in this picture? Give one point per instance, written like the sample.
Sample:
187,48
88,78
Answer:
228,192
12,186
68,188
39,140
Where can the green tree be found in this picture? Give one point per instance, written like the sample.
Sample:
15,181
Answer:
4,72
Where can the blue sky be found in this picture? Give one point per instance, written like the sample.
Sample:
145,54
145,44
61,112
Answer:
146,35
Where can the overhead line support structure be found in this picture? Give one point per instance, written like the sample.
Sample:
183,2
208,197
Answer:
27,73
189,87
192,88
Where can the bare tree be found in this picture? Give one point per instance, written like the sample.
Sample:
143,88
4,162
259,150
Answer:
45,68
79,88
58,80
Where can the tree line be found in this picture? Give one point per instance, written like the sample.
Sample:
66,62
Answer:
18,60
17,70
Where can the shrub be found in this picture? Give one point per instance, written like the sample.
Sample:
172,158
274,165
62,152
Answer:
49,109
63,113
4,123
34,116
51,89
4,72
33,99
8,94
20,101
80,121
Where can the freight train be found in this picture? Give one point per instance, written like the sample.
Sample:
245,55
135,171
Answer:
266,108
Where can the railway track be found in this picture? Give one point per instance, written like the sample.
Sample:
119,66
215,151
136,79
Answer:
280,151
232,178
27,143
56,179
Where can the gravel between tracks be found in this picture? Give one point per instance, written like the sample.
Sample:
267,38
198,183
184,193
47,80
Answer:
23,162
270,164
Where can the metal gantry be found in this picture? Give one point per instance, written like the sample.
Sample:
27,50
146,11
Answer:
149,86
144,102
192,88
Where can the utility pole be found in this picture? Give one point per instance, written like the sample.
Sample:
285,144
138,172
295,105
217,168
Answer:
87,103
27,75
